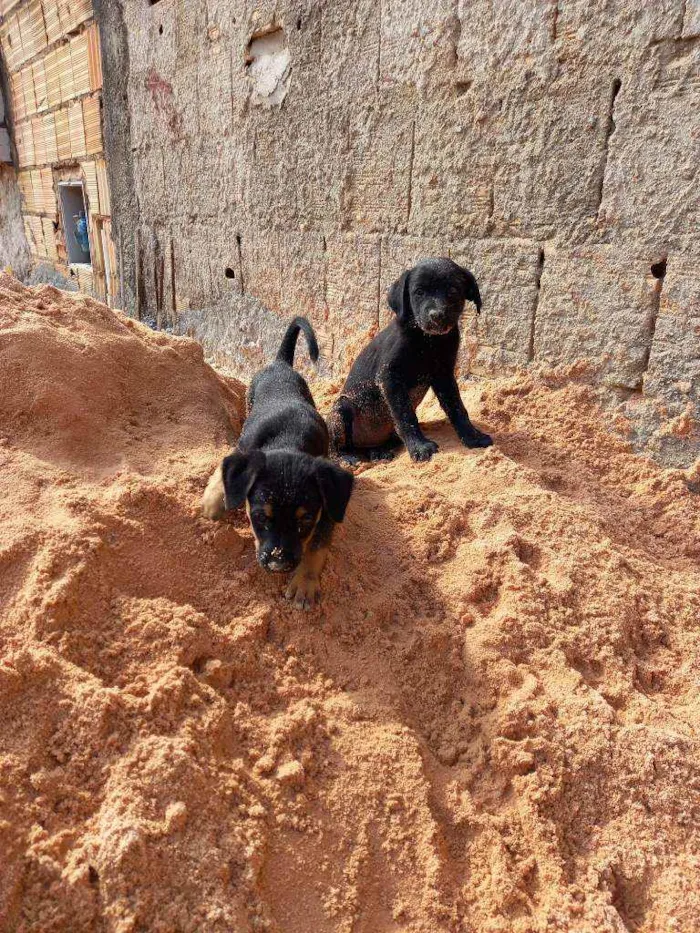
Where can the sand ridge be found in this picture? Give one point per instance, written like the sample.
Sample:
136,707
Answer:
489,725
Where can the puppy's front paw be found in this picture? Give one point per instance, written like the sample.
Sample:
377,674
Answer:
213,500
421,451
477,438
304,589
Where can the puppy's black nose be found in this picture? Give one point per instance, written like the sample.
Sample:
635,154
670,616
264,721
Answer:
277,561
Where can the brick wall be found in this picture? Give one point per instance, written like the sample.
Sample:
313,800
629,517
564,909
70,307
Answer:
51,55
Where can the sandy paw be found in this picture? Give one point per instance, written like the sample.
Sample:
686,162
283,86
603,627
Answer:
304,590
213,502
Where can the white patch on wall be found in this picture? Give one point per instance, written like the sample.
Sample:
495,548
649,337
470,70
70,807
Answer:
269,68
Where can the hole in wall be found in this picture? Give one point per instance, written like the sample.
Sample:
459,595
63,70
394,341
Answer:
540,268
160,30
229,273
268,65
75,222
462,87
299,24
658,269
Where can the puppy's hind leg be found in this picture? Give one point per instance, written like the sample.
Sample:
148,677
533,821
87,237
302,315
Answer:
386,452
340,423
304,588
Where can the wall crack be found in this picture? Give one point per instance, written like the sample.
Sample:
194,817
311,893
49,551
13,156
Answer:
555,20
239,241
411,157
533,319
658,270
324,247
379,284
379,49
609,130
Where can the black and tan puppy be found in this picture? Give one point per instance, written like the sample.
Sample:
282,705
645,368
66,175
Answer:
293,495
416,352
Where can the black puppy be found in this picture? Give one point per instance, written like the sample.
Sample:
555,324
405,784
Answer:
416,352
293,495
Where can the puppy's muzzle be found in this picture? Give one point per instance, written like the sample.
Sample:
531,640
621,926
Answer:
277,561
439,321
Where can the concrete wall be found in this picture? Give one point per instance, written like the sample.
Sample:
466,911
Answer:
14,251
553,146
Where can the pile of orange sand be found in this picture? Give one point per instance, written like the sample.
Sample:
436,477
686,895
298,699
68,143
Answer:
491,724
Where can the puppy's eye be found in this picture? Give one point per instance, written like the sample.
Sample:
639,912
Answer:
305,522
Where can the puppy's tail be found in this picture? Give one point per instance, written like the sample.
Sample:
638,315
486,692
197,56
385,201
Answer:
289,341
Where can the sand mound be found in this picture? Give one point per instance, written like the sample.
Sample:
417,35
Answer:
83,386
490,725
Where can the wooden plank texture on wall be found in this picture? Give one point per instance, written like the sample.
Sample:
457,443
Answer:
65,72
40,90
28,88
77,130
73,13
24,179
37,125
49,239
19,108
50,141
6,6
80,64
63,133
11,42
52,67
95,57
32,28
103,187
52,20
48,195
91,190
92,123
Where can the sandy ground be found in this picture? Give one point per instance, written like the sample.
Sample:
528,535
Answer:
489,725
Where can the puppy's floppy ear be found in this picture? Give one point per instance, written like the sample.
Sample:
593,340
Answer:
336,486
239,471
399,297
470,289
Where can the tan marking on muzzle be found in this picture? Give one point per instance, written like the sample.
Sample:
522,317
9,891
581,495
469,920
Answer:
250,521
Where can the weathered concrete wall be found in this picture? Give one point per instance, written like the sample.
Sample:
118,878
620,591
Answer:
14,251
551,145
